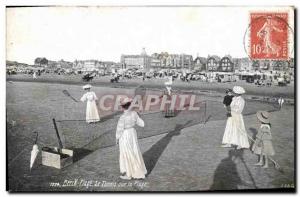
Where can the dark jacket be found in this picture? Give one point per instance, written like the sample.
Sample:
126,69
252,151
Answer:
227,100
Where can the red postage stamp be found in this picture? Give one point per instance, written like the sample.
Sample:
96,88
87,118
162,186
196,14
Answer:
269,36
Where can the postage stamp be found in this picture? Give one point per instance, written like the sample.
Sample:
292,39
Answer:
269,36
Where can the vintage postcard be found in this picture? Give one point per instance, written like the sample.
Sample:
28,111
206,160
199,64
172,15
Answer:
150,98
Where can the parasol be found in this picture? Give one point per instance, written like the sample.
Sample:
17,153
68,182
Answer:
34,152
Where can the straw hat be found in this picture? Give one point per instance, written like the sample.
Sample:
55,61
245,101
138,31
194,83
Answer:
263,116
125,100
238,90
88,86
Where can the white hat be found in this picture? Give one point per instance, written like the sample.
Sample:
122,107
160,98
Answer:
88,86
125,100
238,90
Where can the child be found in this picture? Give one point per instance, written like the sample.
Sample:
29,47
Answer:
227,101
263,143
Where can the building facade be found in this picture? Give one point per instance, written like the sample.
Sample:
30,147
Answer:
41,61
226,64
200,63
157,61
242,64
135,61
64,64
142,61
90,66
165,60
213,63
217,64
271,65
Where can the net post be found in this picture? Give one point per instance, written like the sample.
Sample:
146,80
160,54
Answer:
57,134
205,105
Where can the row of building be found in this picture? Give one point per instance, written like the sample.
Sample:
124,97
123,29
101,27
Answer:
212,63
164,60
78,65
161,60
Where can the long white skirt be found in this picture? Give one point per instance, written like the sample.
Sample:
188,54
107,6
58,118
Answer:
92,112
131,159
235,132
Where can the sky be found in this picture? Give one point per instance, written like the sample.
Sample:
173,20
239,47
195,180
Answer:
104,33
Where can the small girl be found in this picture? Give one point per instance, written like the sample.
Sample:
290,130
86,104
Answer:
263,143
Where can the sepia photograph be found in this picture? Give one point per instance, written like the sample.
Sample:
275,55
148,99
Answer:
150,98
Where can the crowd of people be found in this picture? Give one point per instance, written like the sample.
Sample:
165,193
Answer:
185,75
280,79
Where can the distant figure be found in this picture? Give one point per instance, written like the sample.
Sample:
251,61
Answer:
115,78
131,160
235,131
188,77
168,85
34,75
91,106
280,102
88,77
227,101
263,144
269,82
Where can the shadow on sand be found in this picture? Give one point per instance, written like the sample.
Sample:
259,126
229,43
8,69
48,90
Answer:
152,155
110,116
254,133
107,139
80,153
226,176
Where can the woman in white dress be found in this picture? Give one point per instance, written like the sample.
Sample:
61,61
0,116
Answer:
280,102
131,160
91,107
235,131
168,84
